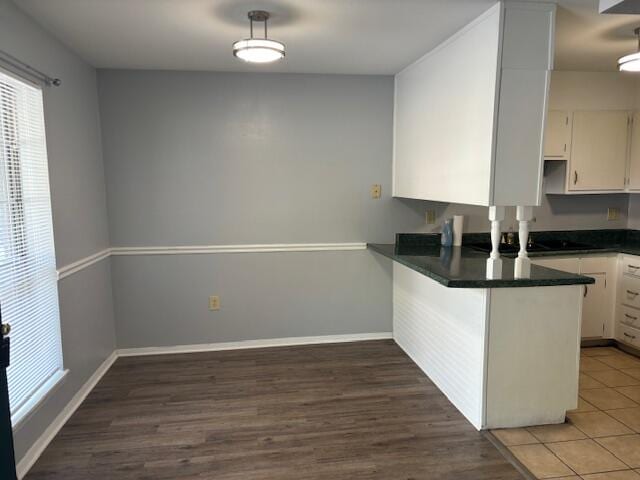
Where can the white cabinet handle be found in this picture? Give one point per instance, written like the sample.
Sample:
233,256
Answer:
632,337
630,316
575,177
586,290
635,294
635,267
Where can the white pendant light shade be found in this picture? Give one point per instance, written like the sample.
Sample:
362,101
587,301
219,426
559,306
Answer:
258,50
631,62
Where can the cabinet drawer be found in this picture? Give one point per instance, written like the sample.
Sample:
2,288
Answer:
630,291
629,335
629,317
631,265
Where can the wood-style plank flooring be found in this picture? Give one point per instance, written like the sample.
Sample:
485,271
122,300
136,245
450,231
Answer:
343,411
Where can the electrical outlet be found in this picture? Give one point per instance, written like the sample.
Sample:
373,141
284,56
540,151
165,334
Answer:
613,213
214,302
376,191
431,217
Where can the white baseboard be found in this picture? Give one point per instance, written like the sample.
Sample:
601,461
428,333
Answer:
245,344
51,431
47,436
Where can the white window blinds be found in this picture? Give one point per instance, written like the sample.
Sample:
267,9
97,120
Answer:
28,282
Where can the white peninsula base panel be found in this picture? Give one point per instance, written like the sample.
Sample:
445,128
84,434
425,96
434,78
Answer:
505,357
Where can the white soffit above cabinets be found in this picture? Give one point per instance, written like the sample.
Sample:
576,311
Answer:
322,36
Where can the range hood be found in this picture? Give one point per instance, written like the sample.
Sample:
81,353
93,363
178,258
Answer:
620,6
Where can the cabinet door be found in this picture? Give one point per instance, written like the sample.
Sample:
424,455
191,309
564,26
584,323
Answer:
595,307
634,159
598,150
557,135
570,264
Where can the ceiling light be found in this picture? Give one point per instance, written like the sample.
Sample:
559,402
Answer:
631,62
258,50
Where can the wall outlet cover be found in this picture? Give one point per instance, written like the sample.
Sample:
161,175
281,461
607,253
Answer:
431,217
376,191
613,213
214,302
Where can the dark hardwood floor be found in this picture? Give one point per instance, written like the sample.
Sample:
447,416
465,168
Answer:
342,411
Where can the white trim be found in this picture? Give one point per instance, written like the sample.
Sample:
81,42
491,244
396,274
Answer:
258,248
246,344
43,441
42,393
83,263
51,431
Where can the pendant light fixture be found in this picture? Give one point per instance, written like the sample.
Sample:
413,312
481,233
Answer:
258,50
631,62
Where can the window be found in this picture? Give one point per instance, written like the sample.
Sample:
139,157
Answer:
28,279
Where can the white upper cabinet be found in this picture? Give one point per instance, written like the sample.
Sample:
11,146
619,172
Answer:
557,135
469,115
595,111
634,154
599,151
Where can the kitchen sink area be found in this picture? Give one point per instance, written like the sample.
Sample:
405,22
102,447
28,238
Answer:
550,245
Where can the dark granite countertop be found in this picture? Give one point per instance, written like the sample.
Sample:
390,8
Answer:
463,267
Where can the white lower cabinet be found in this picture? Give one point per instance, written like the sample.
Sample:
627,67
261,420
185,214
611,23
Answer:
629,293
629,317
629,335
628,311
598,306
595,307
611,305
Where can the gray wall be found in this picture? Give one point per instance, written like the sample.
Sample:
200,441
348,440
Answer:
162,300
79,208
219,158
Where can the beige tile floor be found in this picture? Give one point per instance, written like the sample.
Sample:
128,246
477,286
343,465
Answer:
601,438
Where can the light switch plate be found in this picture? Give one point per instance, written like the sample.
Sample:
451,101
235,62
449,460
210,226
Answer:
376,191
613,213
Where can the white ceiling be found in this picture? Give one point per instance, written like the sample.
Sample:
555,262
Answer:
322,36
586,40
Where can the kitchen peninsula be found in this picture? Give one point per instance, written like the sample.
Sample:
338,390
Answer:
500,337
504,350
